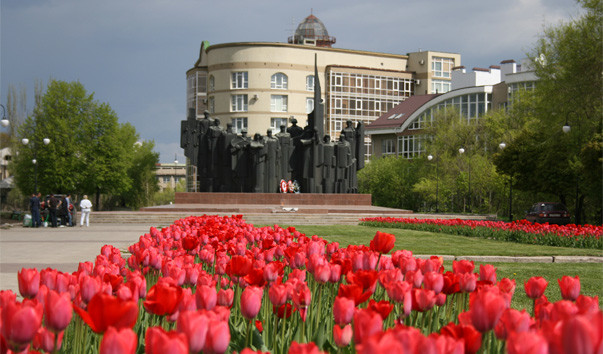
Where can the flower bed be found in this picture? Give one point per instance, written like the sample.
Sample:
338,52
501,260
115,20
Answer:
521,231
216,284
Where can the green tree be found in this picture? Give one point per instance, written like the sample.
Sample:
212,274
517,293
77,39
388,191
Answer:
390,181
567,60
90,151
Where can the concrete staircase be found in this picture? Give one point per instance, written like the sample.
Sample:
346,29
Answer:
280,218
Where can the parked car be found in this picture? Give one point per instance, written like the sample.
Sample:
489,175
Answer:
553,213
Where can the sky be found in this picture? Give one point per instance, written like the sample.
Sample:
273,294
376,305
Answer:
134,54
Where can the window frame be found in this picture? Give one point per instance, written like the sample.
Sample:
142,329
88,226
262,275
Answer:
239,80
282,85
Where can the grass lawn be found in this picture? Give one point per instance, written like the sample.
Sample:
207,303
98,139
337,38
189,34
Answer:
427,243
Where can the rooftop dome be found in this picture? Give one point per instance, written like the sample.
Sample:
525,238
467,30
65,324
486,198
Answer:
312,31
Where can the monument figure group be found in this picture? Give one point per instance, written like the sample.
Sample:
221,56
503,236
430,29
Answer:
229,162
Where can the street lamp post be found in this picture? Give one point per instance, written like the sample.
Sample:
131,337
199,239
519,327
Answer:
25,141
430,157
566,129
462,151
502,146
5,122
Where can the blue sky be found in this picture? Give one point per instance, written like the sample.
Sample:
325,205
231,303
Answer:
134,54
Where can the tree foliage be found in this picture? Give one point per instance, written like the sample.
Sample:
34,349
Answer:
567,60
90,151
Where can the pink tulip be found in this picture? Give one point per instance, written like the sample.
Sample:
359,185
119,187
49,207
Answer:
433,281
366,323
342,336
20,322
218,337
278,294
343,310
158,341
29,282
486,308
195,325
570,287
57,311
487,272
251,301
225,297
118,341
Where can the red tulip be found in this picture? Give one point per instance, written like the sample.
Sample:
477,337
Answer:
383,308
57,311
190,243
382,242
277,293
486,308
570,287
218,337
583,333
512,320
397,290
487,272
158,341
451,283
471,337
119,341
366,323
89,286
587,304
304,348
283,311
463,266
46,340
251,301
106,310
206,297
273,270
259,326
535,287
527,343
163,298
302,296
342,336
29,282
343,310
20,322
195,325
238,266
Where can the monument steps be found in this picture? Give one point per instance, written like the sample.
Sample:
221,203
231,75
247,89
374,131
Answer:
290,218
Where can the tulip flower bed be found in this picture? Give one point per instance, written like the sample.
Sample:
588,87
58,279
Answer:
520,231
217,284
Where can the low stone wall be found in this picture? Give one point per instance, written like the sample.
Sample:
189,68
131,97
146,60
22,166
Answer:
273,198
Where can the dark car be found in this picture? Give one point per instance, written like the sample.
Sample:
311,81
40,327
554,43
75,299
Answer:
553,213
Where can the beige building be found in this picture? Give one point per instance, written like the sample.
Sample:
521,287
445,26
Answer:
260,86
169,174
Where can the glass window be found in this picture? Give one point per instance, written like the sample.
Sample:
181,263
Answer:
278,103
310,82
440,86
212,105
309,104
279,81
212,83
239,103
275,124
239,80
239,124
442,67
388,147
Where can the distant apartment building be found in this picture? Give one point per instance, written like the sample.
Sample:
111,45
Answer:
400,131
169,174
259,85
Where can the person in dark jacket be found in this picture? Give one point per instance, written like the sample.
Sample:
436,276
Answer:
53,206
34,207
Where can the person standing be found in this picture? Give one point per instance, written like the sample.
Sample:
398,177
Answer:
86,207
69,206
34,206
53,206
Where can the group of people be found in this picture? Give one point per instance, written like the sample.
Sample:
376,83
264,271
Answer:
58,210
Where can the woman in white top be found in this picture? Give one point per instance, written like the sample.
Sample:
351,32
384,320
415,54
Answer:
85,206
